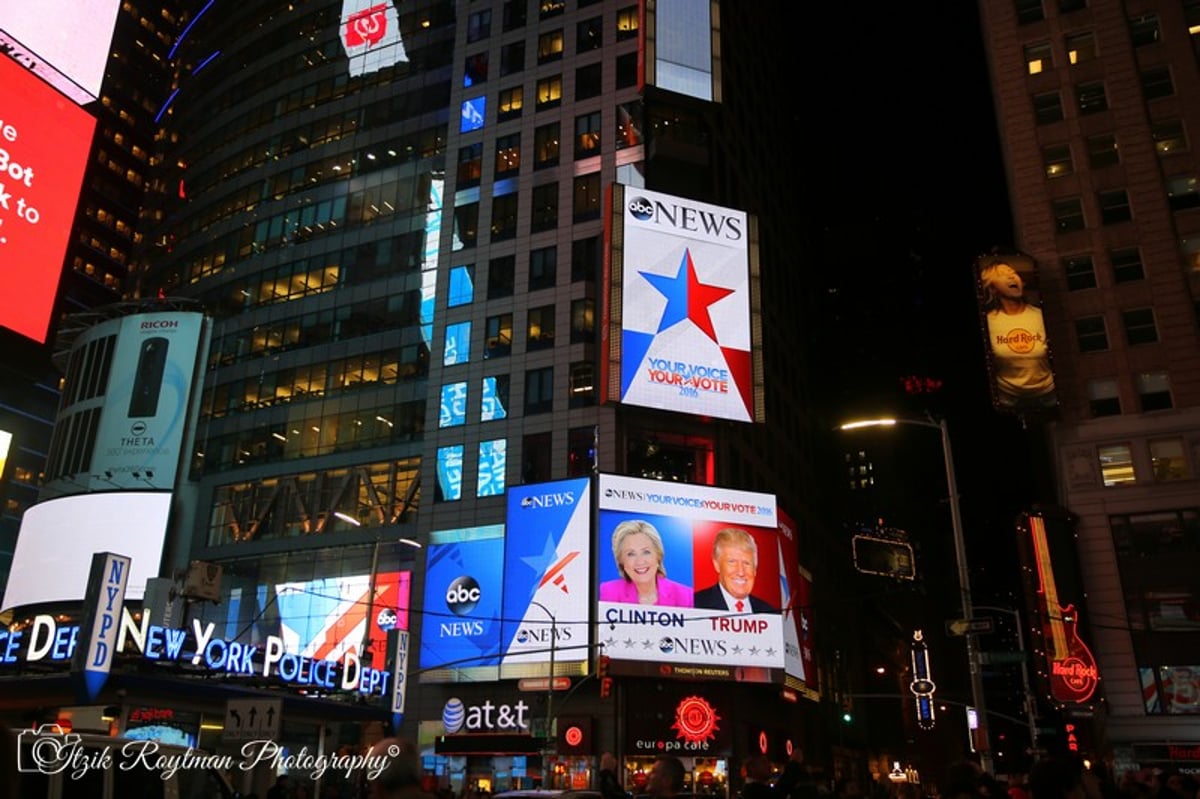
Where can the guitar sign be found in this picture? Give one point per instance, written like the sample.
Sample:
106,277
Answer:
1073,674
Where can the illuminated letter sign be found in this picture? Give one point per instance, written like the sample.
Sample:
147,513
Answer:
104,601
922,685
1073,674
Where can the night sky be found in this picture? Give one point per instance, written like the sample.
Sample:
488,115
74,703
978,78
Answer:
911,190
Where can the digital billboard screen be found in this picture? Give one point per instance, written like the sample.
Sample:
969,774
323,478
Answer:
795,587
44,142
148,397
59,536
1017,345
547,573
460,625
689,581
682,298
65,42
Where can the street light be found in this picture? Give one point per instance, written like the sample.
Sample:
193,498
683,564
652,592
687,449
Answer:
960,555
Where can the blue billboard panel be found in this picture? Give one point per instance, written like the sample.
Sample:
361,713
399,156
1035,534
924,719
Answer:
493,461
463,582
547,572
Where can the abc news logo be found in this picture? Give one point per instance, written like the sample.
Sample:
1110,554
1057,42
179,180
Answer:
685,217
463,595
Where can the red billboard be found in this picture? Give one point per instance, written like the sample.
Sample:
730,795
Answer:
44,142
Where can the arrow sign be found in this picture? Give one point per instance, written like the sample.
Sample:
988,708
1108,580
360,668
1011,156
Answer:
960,627
252,719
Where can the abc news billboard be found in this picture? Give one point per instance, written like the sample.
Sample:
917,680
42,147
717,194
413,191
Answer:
1017,346
681,325
500,599
44,141
692,582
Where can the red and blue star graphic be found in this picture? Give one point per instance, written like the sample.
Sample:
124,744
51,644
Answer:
687,297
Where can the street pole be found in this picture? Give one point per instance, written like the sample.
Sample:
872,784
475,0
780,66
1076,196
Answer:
550,679
964,577
1027,704
964,587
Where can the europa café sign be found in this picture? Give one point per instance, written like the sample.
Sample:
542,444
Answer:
46,641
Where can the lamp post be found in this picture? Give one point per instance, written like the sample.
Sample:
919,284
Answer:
550,679
960,556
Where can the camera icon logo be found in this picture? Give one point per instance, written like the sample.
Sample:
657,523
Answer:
46,750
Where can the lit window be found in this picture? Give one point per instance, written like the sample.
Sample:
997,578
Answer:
1081,47
1057,160
498,336
627,22
1116,464
508,154
550,46
1182,192
549,92
510,103
1038,57
1169,137
539,332
1168,460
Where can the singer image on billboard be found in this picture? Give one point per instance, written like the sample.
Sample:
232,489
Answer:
638,551
1021,375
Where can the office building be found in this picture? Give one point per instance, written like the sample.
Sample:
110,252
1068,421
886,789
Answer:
1098,116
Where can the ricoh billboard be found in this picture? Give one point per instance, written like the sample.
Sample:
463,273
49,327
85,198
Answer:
681,322
148,399
44,141
690,581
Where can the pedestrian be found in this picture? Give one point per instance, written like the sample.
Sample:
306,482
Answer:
1062,778
609,784
280,789
400,777
666,777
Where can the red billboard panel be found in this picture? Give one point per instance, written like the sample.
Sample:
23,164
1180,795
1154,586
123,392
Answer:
44,141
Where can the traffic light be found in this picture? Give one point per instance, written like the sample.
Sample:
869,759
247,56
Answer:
847,712
602,676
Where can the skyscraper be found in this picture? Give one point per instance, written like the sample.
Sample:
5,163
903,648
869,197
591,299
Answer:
398,218
1097,107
